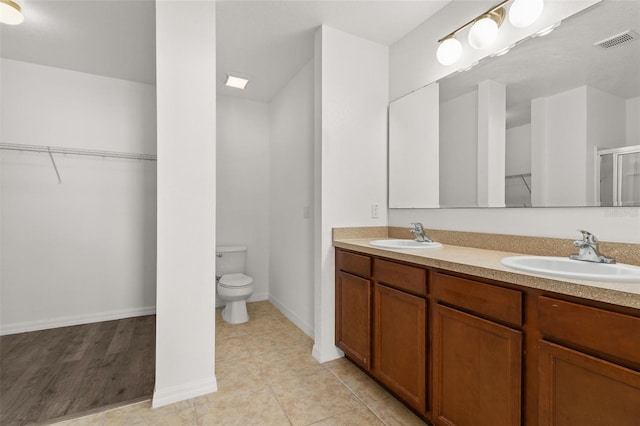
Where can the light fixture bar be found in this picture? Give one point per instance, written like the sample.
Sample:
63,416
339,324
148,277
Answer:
491,12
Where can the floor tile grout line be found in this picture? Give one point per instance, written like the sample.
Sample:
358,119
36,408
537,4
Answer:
324,418
269,383
280,404
358,398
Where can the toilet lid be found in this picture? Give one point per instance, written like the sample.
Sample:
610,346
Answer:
235,280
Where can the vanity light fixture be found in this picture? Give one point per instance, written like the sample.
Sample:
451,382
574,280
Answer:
525,12
235,81
10,13
484,31
449,51
484,28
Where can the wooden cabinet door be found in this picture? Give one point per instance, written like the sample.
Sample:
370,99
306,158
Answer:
353,317
399,341
477,371
578,389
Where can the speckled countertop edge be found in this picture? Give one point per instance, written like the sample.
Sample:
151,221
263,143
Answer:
486,264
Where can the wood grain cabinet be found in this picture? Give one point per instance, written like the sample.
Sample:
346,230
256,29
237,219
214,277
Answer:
399,341
585,360
463,351
477,362
353,307
381,322
400,330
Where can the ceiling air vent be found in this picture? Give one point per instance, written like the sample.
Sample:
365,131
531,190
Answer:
618,39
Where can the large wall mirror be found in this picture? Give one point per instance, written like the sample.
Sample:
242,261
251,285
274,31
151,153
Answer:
565,112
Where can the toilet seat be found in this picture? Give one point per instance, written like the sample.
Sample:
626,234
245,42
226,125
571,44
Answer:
235,281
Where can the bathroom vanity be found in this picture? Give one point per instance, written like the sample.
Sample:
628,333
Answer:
464,341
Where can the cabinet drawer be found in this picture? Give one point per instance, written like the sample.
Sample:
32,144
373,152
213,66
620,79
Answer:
355,264
604,331
487,300
402,277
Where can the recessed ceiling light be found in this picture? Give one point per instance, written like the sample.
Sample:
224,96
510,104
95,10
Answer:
236,82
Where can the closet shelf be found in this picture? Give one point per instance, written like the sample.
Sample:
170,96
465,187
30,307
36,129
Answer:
519,175
76,151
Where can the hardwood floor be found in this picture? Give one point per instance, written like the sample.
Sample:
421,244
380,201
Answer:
64,371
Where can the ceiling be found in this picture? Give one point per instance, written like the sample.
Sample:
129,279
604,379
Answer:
267,40
270,41
110,38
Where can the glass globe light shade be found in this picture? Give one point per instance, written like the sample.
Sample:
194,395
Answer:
10,13
449,51
483,33
525,12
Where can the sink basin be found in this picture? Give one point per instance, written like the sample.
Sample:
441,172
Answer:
403,244
574,269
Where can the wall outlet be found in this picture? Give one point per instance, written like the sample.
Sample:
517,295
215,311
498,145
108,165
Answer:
374,210
306,212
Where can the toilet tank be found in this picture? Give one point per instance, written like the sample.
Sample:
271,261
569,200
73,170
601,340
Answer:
230,260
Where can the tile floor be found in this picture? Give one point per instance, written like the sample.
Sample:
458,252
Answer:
267,376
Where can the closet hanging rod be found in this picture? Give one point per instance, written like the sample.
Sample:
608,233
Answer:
76,151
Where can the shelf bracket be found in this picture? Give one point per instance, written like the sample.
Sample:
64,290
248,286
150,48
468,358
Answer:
53,161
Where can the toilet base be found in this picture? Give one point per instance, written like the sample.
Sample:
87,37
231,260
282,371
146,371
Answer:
235,312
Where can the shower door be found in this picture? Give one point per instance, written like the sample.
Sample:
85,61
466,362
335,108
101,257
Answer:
620,176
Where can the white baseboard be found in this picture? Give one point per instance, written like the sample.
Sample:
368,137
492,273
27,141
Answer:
327,355
307,328
258,297
255,297
181,392
22,327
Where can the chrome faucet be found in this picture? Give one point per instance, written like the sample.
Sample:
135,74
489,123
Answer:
588,247
418,231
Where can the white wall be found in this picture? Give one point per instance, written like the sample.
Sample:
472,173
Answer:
621,224
459,151
518,161
83,250
291,199
414,138
633,121
563,133
606,128
186,90
51,106
571,126
413,65
518,150
242,181
352,95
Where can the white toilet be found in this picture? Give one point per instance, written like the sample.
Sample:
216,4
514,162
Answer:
234,287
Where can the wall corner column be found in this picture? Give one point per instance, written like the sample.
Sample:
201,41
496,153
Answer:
492,105
186,108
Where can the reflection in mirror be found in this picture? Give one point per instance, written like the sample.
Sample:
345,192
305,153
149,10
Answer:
619,176
570,96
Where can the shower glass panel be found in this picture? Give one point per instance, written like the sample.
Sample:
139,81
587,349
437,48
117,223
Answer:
606,180
619,183
629,179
